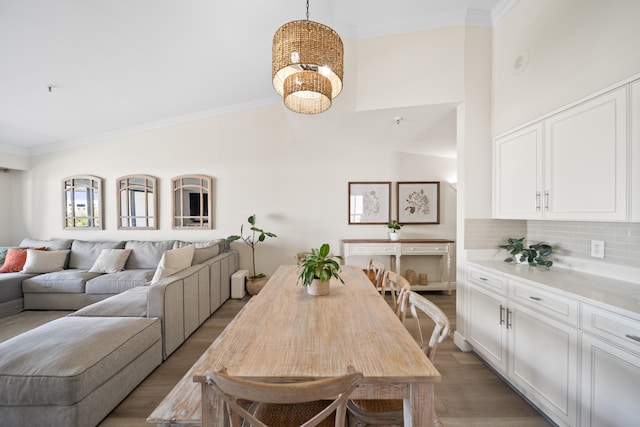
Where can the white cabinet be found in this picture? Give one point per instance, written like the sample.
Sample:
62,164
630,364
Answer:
635,152
543,361
610,368
487,312
529,336
367,248
517,174
586,160
572,165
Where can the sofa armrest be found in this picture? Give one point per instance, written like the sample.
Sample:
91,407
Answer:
173,299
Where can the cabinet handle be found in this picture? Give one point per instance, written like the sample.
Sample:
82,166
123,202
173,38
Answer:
537,200
633,337
536,298
501,314
509,313
546,200
484,279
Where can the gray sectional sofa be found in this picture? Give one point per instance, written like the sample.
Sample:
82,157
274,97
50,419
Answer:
74,370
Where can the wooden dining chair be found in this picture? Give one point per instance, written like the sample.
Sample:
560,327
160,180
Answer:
389,412
375,271
398,287
302,404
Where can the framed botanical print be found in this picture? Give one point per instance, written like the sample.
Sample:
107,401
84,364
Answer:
418,202
369,202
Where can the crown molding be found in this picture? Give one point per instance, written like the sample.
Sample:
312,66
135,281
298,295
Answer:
501,9
148,127
14,149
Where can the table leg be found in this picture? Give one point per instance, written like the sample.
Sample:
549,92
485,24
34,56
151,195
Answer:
418,407
213,408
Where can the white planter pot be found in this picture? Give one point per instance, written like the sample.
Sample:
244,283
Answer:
318,288
394,236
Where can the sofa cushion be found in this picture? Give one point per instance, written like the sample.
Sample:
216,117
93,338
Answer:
204,250
36,369
45,261
65,281
146,254
52,245
173,261
11,286
15,259
114,283
3,253
110,261
84,254
130,303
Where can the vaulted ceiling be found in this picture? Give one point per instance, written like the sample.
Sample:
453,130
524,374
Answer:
76,71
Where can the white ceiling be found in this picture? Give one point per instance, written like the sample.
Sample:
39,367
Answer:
120,66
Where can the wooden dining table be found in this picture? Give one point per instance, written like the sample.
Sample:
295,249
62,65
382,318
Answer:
283,334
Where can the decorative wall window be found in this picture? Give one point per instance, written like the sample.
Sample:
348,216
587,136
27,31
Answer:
137,202
192,205
82,196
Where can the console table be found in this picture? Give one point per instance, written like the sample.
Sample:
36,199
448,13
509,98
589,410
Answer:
396,249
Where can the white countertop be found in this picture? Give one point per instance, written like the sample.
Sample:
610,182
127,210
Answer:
612,294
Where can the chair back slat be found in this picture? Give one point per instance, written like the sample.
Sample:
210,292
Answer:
441,328
336,389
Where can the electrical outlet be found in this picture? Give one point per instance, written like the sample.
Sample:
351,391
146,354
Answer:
597,248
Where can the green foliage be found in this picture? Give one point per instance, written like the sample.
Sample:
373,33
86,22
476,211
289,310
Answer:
256,236
393,225
533,255
319,264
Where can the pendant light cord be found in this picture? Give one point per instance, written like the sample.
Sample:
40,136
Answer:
307,10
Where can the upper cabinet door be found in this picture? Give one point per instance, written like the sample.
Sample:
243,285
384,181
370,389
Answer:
635,151
586,160
517,179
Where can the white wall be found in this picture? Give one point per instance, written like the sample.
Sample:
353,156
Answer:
425,67
576,47
11,191
296,187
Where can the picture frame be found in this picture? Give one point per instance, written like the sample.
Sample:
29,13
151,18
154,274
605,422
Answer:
369,202
418,202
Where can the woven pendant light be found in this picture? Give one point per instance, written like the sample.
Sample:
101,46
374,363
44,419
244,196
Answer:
307,65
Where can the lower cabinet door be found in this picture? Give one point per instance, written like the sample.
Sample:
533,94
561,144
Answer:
610,378
543,362
487,332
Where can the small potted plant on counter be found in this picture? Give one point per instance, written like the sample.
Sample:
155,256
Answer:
317,268
533,255
257,280
393,228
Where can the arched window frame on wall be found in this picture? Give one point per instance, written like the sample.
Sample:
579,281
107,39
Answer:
137,202
76,189
192,202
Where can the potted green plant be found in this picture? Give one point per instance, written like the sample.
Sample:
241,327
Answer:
317,268
533,255
255,236
394,226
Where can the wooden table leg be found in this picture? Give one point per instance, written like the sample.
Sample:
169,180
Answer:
418,407
213,408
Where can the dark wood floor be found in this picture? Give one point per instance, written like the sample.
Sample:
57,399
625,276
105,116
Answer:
470,394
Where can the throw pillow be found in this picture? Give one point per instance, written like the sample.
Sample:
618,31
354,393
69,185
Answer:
172,261
39,261
110,261
3,253
15,260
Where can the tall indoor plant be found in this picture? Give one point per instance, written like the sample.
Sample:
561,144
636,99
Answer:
255,236
317,268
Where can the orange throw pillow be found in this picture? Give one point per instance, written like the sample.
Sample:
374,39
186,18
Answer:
15,260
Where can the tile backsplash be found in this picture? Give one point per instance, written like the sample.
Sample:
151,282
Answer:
568,238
